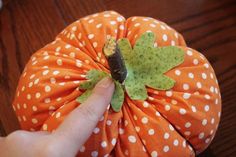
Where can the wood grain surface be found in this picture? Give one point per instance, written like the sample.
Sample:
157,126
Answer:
207,25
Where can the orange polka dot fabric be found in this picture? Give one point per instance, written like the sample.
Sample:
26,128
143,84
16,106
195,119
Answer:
180,121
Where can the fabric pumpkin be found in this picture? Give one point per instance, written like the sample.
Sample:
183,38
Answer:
180,121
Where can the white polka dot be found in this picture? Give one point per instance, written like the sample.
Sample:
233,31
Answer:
57,49
195,61
55,72
62,83
24,106
34,121
166,148
212,120
177,72
47,100
51,108
45,72
199,85
47,88
59,62
126,152
137,24
45,127
82,149
172,43
211,132
216,101
67,46
52,80
207,140
23,88
18,106
174,102
36,81
37,95
91,21
28,96
171,127
119,19
187,125
166,135
78,63
185,86
132,139
163,27
121,131
113,141
206,65
94,153
34,108
46,57
137,128
32,76
211,75
112,22
193,108
74,28
186,95
144,120
176,142
216,90
151,131
184,143
187,133
167,107
182,111
158,114
206,96
201,135
169,93
90,36
154,154
164,37
24,118
152,25
204,76
30,84
104,144
109,122
206,108
191,75
58,114
96,130
190,53
121,27
145,104
176,35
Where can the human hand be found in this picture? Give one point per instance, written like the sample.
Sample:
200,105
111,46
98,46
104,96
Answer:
67,139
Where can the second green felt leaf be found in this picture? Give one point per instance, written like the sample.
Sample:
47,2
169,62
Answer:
147,65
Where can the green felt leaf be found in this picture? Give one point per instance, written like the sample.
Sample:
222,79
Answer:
84,96
146,65
118,97
94,76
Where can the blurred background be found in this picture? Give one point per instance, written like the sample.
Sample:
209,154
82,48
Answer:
207,25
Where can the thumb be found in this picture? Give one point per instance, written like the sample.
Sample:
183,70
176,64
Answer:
80,123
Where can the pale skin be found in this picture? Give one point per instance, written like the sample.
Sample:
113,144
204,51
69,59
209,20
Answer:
68,138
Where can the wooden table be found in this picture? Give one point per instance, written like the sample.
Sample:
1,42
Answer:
207,25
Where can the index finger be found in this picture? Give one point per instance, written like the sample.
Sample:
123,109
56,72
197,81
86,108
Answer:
80,123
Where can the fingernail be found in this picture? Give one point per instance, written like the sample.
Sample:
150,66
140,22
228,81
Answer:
105,82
